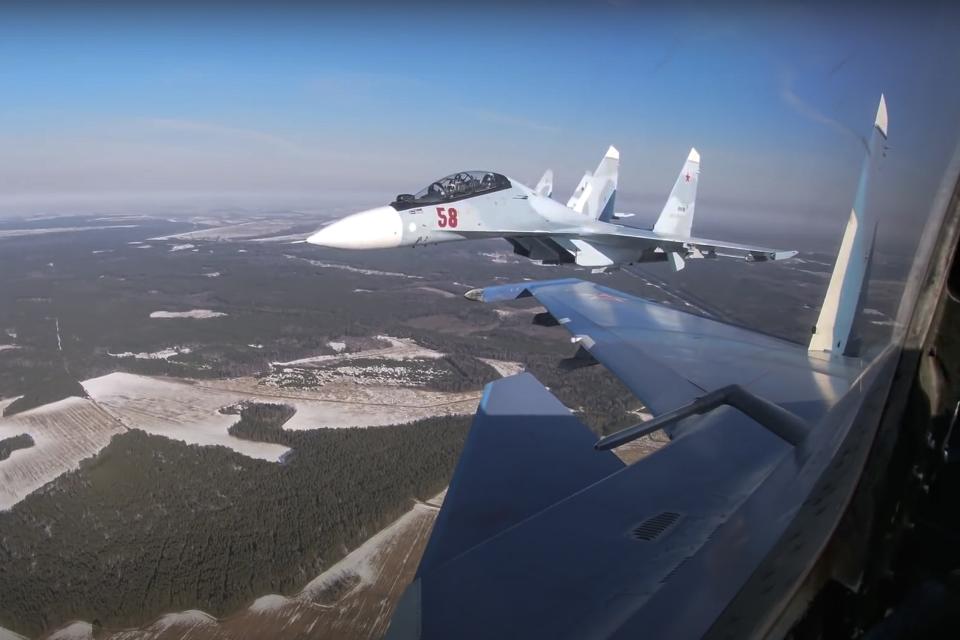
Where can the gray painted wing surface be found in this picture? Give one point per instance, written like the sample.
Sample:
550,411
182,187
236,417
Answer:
591,563
668,357
519,430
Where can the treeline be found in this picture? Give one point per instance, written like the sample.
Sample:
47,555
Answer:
264,423
54,384
152,525
11,444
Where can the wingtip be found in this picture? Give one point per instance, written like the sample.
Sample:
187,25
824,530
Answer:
612,153
694,155
474,294
882,120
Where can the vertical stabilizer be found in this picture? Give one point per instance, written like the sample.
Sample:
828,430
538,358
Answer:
844,299
677,215
545,186
594,196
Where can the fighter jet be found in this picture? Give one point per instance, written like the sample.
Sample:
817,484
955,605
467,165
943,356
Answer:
484,204
723,532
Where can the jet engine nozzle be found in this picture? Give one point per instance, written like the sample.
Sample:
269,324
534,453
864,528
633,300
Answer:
379,228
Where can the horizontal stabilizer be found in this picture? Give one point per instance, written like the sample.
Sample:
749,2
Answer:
520,431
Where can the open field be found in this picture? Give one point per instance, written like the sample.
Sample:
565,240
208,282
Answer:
174,409
64,433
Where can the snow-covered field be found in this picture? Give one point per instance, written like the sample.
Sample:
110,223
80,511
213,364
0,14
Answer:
181,247
239,231
398,349
199,314
16,233
64,433
176,410
503,367
346,267
6,347
347,404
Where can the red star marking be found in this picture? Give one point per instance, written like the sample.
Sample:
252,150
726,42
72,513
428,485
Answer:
687,177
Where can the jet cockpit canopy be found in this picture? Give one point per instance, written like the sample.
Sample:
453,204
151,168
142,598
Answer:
456,186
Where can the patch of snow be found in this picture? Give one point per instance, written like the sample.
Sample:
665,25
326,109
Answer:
181,247
163,354
189,618
74,631
270,602
503,367
336,346
199,314
5,347
145,246
360,561
499,258
255,346
363,290
345,267
399,349
212,274
15,233
135,242
99,251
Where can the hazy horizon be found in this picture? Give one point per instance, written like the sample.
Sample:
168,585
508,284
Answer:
116,109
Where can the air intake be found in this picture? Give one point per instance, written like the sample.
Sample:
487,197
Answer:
653,527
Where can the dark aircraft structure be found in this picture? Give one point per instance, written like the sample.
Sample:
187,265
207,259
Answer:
802,493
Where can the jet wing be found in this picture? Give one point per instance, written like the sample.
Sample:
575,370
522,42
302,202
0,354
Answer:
669,358
623,235
536,539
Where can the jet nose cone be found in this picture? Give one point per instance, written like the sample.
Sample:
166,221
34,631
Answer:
379,228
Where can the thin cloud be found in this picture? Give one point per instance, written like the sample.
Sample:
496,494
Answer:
808,111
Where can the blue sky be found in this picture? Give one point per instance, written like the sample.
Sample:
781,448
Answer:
299,107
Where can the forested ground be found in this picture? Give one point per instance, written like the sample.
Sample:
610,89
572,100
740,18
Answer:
152,525
11,444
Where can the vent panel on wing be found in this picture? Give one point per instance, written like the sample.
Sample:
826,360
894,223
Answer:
653,527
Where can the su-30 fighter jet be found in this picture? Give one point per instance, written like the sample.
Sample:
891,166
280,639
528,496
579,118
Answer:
483,204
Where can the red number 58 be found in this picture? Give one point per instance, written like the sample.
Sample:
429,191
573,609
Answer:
448,219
